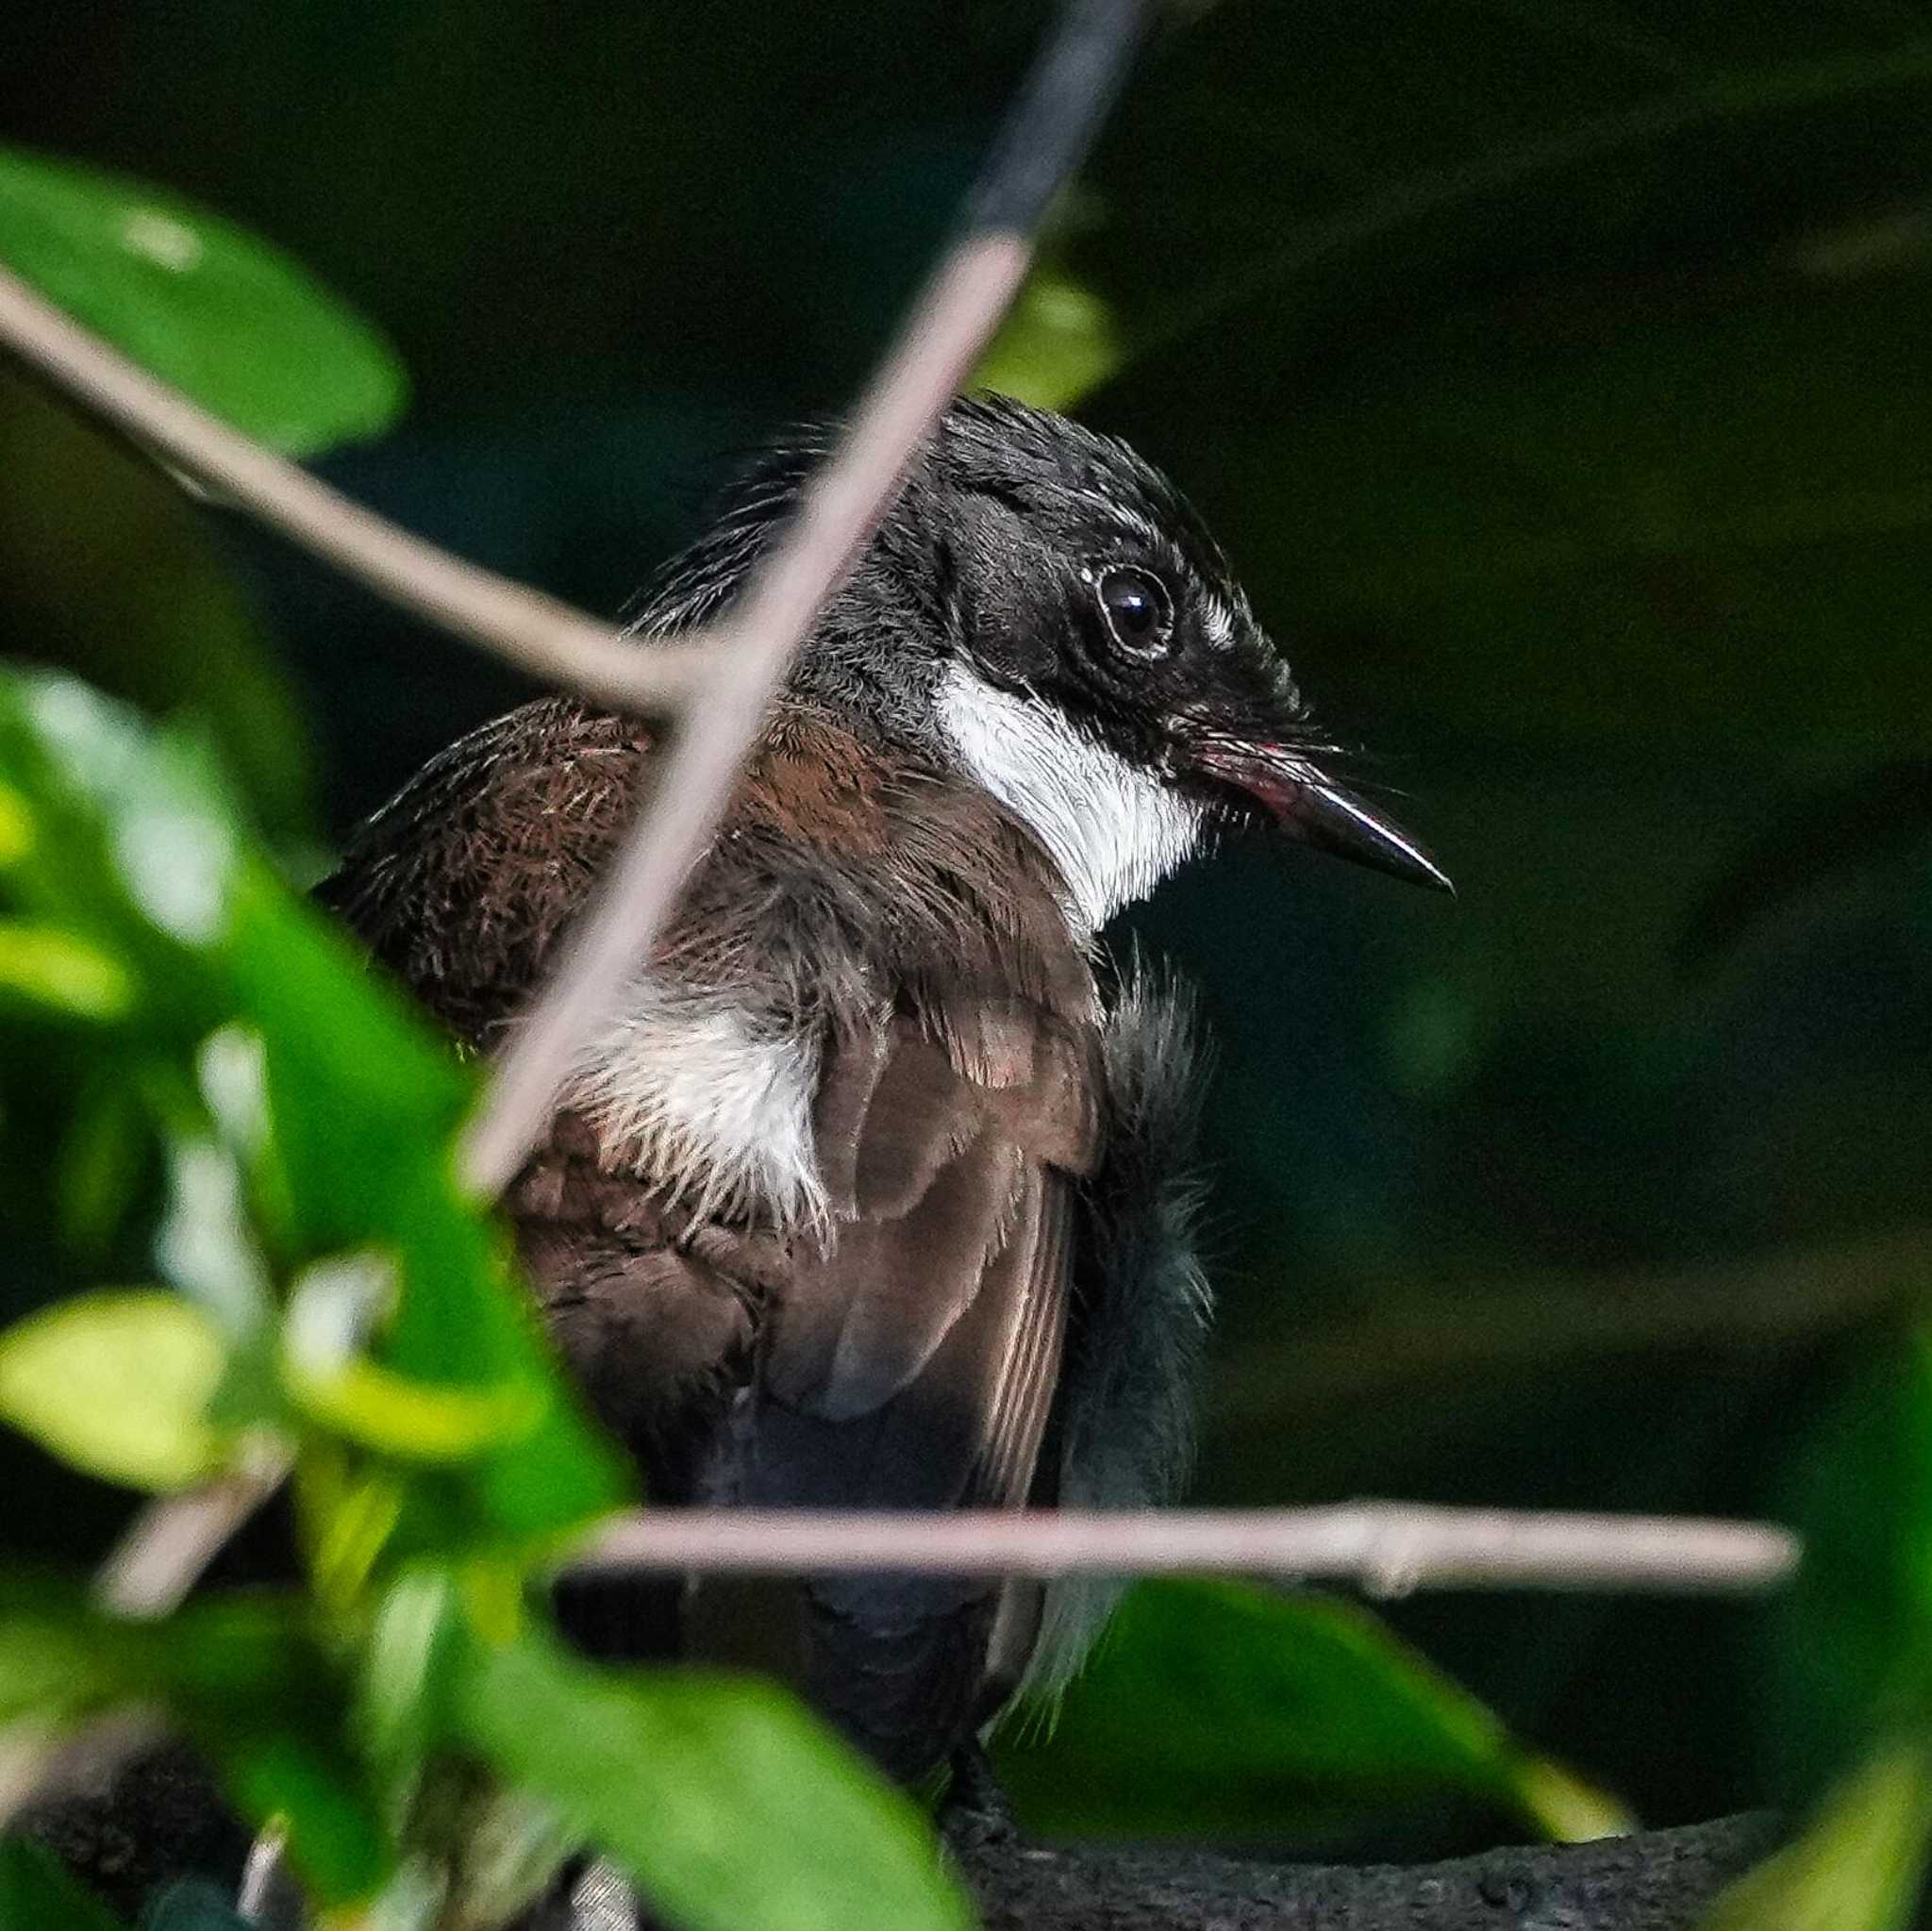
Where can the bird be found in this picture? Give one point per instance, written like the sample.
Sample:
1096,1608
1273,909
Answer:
877,1188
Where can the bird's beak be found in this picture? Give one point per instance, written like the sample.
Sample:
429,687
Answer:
1314,810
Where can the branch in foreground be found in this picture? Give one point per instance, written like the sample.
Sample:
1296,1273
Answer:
1384,1548
1043,140
752,649
536,633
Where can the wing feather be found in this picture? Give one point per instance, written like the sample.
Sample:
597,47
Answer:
912,1363
908,1358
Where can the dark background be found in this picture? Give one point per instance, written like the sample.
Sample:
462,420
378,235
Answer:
1556,373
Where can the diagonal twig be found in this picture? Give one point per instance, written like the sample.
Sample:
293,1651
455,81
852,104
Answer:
1044,136
752,648
536,633
172,1542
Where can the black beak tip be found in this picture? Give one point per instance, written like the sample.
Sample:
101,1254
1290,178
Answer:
1432,877
1313,810
1335,821
1427,873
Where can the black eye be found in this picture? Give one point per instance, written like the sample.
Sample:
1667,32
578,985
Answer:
1138,610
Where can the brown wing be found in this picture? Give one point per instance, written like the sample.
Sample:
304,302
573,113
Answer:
911,1363
911,1360
462,884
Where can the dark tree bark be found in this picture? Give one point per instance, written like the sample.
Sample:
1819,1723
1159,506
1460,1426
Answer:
162,1818
1655,1881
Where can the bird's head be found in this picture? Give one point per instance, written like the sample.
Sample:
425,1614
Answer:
1043,611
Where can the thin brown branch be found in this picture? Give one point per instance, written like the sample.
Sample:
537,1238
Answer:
1384,1548
1042,142
536,633
168,1545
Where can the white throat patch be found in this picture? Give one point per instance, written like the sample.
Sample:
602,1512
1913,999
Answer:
1114,831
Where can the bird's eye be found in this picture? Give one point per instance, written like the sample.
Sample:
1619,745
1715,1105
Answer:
1138,610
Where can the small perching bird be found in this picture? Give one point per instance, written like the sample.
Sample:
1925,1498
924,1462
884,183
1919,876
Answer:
875,1192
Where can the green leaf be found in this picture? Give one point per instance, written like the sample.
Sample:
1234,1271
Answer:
137,835
414,1421
103,1159
308,1111
1214,1709
332,1308
245,1677
59,970
222,315
730,1807
16,826
118,1385
309,1783
1859,1864
1057,341
54,1665
265,1695
366,1106
1850,1658
134,588
37,1895
406,1667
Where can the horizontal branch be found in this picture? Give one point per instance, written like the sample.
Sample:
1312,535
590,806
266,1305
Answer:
536,633
164,1816
1384,1548
1660,1880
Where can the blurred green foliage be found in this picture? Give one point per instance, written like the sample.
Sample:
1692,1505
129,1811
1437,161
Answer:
1861,1863
119,1385
34,1889
1551,373
342,1303
339,1302
214,312
1215,1711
